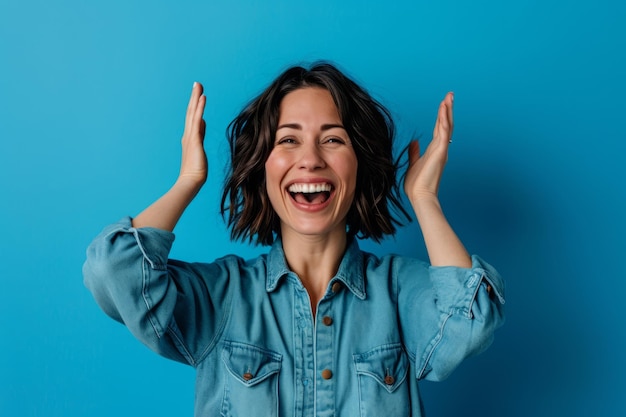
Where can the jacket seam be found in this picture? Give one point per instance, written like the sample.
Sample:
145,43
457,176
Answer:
219,332
180,342
148,301
435,342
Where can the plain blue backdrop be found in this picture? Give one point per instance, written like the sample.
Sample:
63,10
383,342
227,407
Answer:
92,102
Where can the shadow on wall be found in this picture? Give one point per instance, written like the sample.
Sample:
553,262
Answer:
542,358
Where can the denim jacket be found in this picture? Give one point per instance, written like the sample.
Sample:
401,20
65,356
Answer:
247,327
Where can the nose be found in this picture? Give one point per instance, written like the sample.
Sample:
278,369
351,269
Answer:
311,157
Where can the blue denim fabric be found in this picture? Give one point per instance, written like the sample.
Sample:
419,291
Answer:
247,327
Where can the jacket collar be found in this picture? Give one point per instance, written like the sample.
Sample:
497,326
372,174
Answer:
350,271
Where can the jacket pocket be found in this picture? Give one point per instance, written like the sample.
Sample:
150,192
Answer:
383,389
251,387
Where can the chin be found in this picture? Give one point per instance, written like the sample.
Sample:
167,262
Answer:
313,230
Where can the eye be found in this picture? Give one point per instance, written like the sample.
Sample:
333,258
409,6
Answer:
286,141
334,140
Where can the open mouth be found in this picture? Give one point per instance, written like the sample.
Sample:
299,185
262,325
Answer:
310,193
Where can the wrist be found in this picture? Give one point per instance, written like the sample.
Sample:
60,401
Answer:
425,202
189,184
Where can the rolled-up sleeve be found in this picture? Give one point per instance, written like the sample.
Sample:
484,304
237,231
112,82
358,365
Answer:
160,301
454,315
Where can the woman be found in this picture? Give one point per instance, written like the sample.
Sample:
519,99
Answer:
316,326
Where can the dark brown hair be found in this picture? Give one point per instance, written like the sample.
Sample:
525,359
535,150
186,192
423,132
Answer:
251,137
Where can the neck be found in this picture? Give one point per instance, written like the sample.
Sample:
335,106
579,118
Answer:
315,259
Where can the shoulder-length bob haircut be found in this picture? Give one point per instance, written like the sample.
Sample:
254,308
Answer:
251,137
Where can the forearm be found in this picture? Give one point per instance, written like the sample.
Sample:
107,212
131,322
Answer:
166,211
443,245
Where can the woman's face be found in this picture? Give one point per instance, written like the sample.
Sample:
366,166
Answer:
312,169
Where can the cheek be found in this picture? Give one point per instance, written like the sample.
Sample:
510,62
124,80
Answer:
276,164
274,171
270,171
348,168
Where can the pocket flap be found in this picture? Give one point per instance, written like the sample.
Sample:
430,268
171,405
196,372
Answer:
250,364
387,364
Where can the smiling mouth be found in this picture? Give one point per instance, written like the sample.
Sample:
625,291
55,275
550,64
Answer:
310,193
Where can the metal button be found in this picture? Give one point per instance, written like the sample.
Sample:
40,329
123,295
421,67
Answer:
327,374
336,286
327,320
248,376
389,380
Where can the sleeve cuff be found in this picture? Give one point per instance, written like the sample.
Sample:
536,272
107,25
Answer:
155,244
457,288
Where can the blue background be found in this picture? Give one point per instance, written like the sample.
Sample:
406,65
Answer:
92,102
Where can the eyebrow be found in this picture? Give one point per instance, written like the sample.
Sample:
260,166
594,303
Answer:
298,126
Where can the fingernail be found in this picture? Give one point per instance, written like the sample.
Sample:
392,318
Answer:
194,84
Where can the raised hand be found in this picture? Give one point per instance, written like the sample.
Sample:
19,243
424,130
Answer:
422,185
166,211
194,167
424,173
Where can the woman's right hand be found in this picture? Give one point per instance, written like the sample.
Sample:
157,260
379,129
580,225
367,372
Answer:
166,211
194,167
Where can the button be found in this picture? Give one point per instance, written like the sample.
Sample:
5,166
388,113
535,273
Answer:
327,320
327,374
472,280
389,380
248,376
336,286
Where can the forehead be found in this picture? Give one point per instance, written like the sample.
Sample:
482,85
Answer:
309,104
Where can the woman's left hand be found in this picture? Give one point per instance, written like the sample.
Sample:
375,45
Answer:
424,173
421,186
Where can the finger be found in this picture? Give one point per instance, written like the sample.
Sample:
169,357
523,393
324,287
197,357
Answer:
443,127
451,111
196,93
441,123
450,115
198,121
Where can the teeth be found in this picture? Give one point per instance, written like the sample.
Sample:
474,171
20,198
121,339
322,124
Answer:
309,188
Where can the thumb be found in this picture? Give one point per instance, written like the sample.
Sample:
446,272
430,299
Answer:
414,152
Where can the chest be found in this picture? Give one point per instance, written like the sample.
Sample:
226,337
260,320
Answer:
351,347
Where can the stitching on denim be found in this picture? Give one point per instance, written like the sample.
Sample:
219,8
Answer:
483,277
394,281
173,331
494,288
470,313
382,348
361,402
145,284
435,342
219,331
271,364
146,298
225,399
397,348
275,356
141,248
